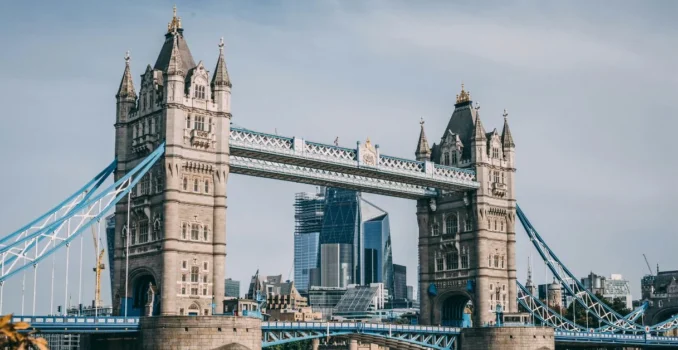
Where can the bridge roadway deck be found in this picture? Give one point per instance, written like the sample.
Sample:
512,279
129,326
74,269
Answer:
115,324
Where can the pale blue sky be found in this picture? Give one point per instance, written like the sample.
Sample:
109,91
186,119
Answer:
590,90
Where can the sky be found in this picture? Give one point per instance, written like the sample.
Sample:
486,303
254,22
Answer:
589,88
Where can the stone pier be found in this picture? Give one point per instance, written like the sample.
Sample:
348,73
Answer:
507,338
199,332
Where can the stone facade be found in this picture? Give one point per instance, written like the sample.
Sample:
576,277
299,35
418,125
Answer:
507,338
199,333
177,216
467,239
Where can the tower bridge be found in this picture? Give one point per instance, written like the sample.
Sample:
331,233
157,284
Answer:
175,147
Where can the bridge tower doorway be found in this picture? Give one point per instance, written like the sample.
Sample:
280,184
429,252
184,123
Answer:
456,311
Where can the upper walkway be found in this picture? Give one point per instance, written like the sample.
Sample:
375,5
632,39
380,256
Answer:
363,168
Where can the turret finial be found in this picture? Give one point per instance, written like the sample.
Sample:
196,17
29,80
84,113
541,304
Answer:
175,24
421,122
464,96
221,43
505,114
127,57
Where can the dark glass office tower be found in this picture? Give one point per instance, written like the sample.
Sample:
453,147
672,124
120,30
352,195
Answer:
378,257
340,239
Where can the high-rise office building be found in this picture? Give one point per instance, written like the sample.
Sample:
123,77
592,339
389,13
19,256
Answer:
340,239
232,288
410,293
308,217
400,282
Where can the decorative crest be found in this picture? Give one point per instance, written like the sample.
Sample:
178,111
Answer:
421,122
127,57
464,96
175,24
221,44
505,114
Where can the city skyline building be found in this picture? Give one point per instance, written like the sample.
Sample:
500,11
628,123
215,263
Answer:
309,210
400,282
610,288
232,288
340,239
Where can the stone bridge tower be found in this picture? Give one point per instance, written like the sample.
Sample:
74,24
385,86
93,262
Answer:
177,218
467,239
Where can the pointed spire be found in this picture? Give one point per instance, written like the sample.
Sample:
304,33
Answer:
126,89
175,67
423,150
478,130
506,138
220,77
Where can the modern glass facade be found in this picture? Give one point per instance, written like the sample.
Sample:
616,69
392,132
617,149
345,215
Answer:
400,281
306,258
308,217
378,256
341,239
232,288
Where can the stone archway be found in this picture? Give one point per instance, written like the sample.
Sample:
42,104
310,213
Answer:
194,309
664,314
139,296
456,310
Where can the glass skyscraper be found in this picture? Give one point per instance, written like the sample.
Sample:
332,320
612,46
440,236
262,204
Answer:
308,216
341,239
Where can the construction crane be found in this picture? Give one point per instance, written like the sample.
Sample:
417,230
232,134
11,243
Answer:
99,266
648,264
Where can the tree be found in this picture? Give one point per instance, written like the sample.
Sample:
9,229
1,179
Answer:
297,345
15,340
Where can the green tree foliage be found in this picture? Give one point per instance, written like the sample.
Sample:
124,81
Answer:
298,345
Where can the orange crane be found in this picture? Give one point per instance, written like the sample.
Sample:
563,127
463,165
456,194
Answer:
99,266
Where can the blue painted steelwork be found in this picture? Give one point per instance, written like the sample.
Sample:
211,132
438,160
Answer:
67,324
53,237
275,333
613,322
68,204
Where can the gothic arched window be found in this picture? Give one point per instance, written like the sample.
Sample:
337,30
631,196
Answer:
185,184
184,230
207,186
496,261
195,189
446,158
435,229
188,122
451,224
205,235
454,158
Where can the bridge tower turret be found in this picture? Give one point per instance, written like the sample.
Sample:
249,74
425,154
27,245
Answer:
177,214
467,239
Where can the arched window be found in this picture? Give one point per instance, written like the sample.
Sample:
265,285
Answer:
205,236
184,229
207,186
439,262
489,260
188,122
435,229
502,177
468,224
464,258
502,262
185,184
446,158
489,224
496,261
454,157
204,278
501,226
195,188
451,224
495,225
